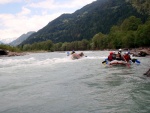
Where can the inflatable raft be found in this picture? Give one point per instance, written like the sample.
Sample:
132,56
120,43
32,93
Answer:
117,62
77,56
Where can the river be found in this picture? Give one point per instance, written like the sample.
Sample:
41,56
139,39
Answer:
53,83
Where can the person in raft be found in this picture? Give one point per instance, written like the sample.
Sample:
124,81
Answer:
72,52
112,56
127,56
119,56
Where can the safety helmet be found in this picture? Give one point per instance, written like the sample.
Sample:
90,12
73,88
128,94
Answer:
128,52
111,53
120,50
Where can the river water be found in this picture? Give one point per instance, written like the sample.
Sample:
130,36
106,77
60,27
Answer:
53,83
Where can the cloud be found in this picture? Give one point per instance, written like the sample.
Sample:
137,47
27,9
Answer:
47,4
16,25
53,5
34,16
25,11
8,1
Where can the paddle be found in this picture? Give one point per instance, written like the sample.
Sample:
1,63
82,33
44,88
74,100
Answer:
105,61
135,60
127,64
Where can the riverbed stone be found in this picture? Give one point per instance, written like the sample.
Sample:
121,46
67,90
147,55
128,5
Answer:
147,73
3,52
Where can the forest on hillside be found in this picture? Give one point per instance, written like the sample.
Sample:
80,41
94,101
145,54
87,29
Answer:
131,33
142,6
84,23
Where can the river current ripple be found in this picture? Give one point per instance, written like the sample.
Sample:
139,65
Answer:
53,83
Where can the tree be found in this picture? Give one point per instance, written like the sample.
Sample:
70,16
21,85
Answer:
131,23
83,45
27,47
98,41
57,46
128,40
64,46
143,34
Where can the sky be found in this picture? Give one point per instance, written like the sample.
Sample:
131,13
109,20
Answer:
18,17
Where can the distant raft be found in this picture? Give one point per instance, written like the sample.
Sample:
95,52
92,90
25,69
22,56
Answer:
77,56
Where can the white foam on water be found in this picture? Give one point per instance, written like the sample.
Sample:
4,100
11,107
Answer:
6,63
35,60
95,57
14,62
53,61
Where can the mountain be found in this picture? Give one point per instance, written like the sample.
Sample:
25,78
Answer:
7,40
93,18
1,42
21,39
142,6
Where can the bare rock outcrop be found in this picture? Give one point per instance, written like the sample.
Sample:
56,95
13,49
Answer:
15,54
3,52
140,52
9,53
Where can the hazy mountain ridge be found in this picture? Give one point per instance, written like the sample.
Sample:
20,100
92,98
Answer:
21,38
98,16
1,42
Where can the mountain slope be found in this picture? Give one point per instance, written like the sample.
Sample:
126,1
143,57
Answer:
98,16
21,39
142,6
1,42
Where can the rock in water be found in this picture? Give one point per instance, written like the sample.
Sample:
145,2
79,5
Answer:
3,52
147,73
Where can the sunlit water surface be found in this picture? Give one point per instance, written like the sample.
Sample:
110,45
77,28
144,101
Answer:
53,83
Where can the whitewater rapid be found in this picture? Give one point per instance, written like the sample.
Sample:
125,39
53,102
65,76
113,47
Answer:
54,83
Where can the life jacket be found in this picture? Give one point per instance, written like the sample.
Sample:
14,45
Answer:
113,56
110,58
119,57
127,57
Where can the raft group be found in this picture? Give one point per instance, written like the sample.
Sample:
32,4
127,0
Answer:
120,58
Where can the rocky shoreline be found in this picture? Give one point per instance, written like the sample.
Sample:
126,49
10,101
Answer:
138,52
16,54
5,53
